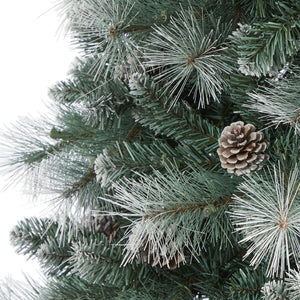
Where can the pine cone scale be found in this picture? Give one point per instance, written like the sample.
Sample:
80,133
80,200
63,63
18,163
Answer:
236,150
241,165
248,128
232,160
242,156
258,148
243,143
252,158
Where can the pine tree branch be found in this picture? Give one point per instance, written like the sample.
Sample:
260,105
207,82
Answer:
153,210
189,49
128,159
263,48
179,123
246,283
279,102
100,101
293,284
54,257
74,287
29,234
98,262
268,215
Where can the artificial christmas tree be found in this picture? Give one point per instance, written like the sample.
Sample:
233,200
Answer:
164,97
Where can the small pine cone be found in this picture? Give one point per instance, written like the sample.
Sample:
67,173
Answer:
106,225
242,148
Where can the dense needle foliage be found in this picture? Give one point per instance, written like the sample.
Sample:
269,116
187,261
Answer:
141,207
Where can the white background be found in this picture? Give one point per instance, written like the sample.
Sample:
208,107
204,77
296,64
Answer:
33,57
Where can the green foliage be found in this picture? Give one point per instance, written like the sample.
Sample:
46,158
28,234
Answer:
132,135
183,124
264,47
73,287
54,257
101,29
99,262
126,159
100,101
38,238
275,290
271,204
85,252
284,147
280,101
259,8
293,284
191,215
189,47
29,234
212,269
246,284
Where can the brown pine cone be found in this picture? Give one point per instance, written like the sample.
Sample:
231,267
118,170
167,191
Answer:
242,148
106,225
